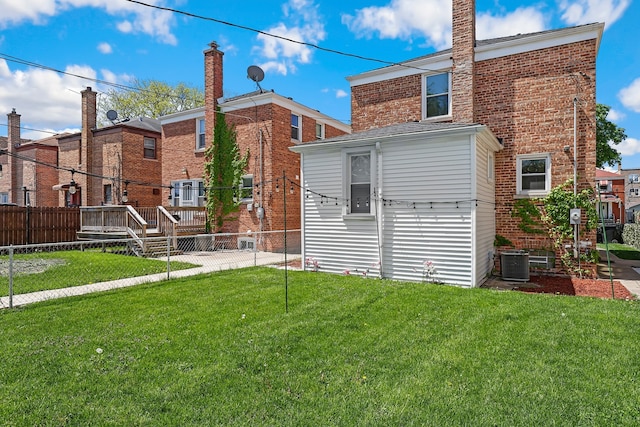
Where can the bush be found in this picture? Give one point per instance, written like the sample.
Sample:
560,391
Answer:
631,235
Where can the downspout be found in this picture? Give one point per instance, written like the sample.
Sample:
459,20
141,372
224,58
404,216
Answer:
378,199
261,184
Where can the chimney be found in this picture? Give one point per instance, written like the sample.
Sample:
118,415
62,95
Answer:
463,30
85,162
212,87
13,141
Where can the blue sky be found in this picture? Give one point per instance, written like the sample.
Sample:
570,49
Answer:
117,40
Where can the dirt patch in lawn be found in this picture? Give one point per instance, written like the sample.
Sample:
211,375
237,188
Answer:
574,286
29,266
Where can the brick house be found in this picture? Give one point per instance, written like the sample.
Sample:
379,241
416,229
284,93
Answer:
25,173
267,124
534,93
611,196
109,160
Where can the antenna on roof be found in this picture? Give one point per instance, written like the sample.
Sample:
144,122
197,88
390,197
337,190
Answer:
112,115
256,74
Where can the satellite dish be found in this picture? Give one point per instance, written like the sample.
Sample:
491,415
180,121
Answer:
256,74
112,115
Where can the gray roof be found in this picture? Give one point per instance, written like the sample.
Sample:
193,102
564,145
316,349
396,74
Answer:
144,123
393,130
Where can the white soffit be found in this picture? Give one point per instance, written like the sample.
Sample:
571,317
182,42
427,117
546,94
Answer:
430,65
530,43
181,116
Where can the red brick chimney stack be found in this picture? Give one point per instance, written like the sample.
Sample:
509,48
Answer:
13,141
212,87
89,123
464,40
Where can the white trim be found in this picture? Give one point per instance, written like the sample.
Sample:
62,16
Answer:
299,126
540,41
432,64
423,83
547,182
491,166
182,116
204,132
273,98
346,181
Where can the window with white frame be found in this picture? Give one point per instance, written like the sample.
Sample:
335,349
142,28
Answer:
200,141
4,198
319,131
359,173
533,174
491,166
246,189
634,178
149,148
436,95
633,192
296,132
188,192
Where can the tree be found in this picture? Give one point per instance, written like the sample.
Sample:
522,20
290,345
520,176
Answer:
223,170
607,133
150,98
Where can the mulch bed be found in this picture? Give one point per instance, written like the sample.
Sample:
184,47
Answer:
574,286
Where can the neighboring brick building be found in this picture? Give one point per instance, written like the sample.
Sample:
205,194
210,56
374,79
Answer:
267,124
611,200
25,168
525,88
109,160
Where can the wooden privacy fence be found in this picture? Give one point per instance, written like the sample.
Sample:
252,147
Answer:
27,225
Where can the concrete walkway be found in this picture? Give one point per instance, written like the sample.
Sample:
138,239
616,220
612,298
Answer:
623,270
208,262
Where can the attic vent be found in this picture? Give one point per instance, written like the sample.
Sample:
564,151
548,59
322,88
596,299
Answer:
515,266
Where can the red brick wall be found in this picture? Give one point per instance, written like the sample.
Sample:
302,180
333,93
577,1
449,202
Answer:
527,100
380,104
178,153
139,170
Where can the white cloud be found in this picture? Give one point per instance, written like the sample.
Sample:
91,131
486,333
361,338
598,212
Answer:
139,19
431,19
306,26
404,19
341,93
576,12
630,96
628,147
105,48
46,100
615,115
521,21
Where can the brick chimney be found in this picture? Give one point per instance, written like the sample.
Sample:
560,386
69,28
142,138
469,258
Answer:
88,185
212,87
462,80
13,141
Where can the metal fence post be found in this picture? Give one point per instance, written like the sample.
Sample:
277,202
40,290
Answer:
168,257
11,276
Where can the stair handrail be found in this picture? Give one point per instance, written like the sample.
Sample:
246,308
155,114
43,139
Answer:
167,225
134,217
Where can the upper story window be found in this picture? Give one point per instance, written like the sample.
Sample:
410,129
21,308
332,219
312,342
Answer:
533,175
319,131
296,132
149,148
107,193
634,178
437,95
200,136
604,186
633,191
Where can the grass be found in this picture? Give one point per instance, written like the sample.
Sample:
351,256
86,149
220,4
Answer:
219,349
621,251
75,268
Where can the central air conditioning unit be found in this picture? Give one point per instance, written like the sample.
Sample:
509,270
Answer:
515,266
246,243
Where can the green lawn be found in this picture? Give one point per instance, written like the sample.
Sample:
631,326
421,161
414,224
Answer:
219,349
621,251
73,268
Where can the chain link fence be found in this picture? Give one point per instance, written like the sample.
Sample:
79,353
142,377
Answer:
33,273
